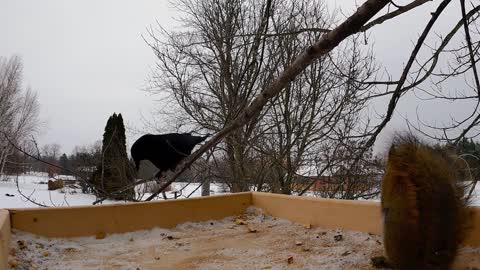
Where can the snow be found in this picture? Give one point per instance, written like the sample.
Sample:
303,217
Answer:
34,186
215,244
258,242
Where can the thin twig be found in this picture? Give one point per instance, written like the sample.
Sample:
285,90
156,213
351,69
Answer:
28,198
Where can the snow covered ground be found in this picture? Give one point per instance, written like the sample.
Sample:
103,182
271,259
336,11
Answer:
35,187
253,240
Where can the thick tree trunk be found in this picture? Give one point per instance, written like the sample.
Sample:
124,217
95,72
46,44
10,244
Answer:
206,188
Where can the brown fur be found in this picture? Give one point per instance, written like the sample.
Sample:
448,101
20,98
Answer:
424,210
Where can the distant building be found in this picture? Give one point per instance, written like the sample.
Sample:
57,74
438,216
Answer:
86,169
323,183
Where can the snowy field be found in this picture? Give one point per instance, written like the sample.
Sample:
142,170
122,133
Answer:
36,189
34,186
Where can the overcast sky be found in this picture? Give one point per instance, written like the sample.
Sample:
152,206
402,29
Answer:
87,59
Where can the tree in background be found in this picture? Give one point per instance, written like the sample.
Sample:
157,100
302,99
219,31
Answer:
64,162
227,52
19,109
51,154
114,172
213,68
84,160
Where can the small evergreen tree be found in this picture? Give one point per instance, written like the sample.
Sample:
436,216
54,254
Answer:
114,172
64,162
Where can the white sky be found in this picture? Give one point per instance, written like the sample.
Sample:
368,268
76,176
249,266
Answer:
87,59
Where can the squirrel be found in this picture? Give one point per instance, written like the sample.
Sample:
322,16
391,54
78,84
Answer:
425,216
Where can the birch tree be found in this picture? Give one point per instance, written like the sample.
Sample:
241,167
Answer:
19,108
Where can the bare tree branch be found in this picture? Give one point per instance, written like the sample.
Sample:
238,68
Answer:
391,15
469,45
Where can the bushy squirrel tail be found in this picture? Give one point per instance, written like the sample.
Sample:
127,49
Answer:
424,207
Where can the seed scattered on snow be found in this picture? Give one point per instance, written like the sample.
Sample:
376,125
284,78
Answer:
305,248
172,237
338,237
13,263
70,250
240,221
22,244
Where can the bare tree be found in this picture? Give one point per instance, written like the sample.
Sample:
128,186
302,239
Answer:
320,110
51,151
19,108
84,160
228,51
350,178
359,21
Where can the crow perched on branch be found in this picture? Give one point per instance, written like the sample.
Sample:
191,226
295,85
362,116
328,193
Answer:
165,151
